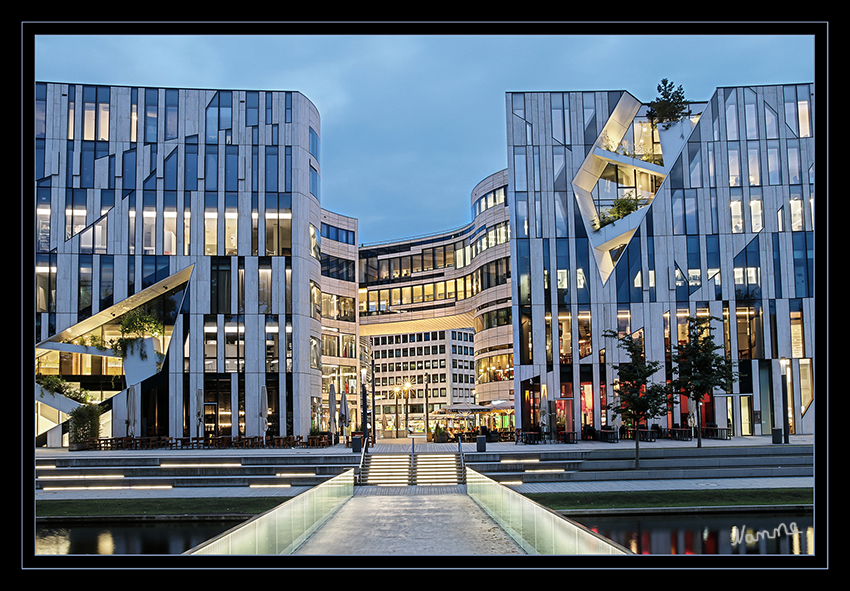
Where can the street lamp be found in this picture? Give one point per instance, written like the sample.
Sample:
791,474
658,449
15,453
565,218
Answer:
396,411
406,407
783,363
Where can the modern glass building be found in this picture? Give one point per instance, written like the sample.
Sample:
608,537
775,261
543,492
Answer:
438,310
203,208
722,224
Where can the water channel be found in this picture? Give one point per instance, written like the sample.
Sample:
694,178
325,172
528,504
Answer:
780,533
727,534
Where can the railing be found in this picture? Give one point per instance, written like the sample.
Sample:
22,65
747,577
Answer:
535,528
283,529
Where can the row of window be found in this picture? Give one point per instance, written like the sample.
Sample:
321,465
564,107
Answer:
338,234
96,110
488,275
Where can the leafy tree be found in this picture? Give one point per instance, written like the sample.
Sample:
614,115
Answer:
638,399
699,369
84,423
670,106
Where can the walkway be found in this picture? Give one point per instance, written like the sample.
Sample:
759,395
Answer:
420,522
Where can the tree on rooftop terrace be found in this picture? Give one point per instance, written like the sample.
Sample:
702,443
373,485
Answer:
670,105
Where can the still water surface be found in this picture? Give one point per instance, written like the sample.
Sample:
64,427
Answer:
167,537
764,533
671,534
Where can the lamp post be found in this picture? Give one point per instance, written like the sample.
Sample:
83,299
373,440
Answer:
783,363
406,408
396,412
427,429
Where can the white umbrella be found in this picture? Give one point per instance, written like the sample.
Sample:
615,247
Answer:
264,410
344,414
332,410
131,411
464,407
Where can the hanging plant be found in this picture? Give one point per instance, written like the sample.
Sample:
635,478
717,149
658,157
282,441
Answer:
55,384
135,326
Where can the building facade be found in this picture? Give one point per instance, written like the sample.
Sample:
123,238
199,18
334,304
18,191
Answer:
203,207
139,186
721,224
437,309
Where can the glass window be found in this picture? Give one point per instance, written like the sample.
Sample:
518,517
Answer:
753,163
314,182
771,122
107,281
794,168
151,104
734,164
774,176
756,210
252,108
315,146
750,114
315,243
737,214
171,114
731,114
210,344
264,286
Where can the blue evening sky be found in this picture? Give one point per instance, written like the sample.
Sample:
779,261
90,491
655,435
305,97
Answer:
411,123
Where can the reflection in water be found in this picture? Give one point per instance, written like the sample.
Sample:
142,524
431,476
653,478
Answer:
146,538
780,533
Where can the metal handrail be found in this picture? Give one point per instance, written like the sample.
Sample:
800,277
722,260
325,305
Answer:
362,460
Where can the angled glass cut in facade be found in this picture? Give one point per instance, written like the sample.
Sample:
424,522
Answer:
718,220
137,185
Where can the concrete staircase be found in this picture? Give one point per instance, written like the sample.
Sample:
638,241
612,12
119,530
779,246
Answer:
106,470
660,463
438,469
386,470
412,469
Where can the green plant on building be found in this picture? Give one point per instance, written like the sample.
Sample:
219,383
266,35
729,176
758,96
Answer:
620,208
56,384
670,106
135,326
84,423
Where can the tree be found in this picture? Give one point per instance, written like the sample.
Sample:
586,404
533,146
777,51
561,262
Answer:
670,106
698,368
638,400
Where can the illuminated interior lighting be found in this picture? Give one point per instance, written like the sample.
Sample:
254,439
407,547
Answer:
269,486
52,488
200,465
546,470
281,475
83,477
509,482
519,461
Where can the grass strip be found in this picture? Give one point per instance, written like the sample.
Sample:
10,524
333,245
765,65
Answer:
124,507
674,498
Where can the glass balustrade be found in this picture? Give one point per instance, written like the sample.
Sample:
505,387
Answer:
283,529
535,528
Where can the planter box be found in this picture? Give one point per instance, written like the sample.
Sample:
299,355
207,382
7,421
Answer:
78,446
